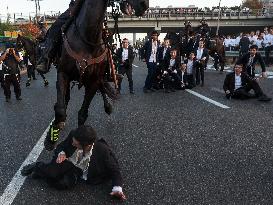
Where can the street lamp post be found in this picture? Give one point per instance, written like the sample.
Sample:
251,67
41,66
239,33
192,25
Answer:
218,21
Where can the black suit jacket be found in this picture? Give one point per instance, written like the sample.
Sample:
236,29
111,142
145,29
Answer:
160,54
229,83
205,54
130,56
103,163
244,44
250,70
176,65
194,66
147,51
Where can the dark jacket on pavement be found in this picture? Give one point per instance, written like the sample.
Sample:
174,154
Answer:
103,163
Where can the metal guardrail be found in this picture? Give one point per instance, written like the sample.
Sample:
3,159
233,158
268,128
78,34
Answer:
236,54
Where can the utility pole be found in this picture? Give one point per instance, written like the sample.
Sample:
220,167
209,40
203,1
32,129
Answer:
218,21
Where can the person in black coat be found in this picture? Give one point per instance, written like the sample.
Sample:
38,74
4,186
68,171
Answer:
244,45
171,75
249,61
79,156
125,56
238,84
11,72
191,65
150,53
202,55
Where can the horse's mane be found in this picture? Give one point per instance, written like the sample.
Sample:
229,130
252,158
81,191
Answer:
75,10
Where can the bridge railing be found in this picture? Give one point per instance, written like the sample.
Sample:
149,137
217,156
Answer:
201,14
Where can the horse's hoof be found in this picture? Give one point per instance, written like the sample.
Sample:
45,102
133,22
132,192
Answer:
108,108
61,125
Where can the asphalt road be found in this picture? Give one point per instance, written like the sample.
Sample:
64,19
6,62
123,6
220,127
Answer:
173,148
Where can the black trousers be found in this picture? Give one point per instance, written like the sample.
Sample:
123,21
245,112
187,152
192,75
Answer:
219,59
1,78
243,92
30,72
61,176
126,69
200,73
268,49
191,81
14,80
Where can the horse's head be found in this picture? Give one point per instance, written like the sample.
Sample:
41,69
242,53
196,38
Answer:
19,42
139,6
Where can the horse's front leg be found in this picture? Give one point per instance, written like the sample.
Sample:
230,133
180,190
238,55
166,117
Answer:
60,112
60,107
88,96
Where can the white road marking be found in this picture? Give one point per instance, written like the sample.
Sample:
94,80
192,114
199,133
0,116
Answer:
135,65
208,99
18,180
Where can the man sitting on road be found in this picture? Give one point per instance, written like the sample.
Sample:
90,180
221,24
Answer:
80,156
238,84
249,61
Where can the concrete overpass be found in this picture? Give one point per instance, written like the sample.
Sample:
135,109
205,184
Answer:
163,22
228,24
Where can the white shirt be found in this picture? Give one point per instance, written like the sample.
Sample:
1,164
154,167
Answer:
1,65
259,43
172,62
252,40
153,53
199,53
189,67
268,40
164,52
28,62
227,42
237,41
124,54
238,81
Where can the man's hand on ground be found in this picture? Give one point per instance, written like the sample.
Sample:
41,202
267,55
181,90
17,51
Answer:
118,195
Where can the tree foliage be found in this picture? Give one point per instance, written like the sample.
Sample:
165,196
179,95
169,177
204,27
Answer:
253,4
6,27
29,30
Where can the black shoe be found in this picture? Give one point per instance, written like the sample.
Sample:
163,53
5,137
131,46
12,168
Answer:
46,83
19,98
167,91
132,92
28,169
7,99
27,83
34,78
153,90
264,98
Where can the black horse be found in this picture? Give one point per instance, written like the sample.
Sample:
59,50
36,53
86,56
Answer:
85,58
32,52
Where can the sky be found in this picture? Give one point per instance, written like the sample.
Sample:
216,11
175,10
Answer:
27,6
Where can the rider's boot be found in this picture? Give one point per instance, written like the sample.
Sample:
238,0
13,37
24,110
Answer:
52,137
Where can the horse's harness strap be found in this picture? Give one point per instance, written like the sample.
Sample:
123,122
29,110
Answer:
82,62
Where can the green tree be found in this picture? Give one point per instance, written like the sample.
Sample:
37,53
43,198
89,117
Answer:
6,27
